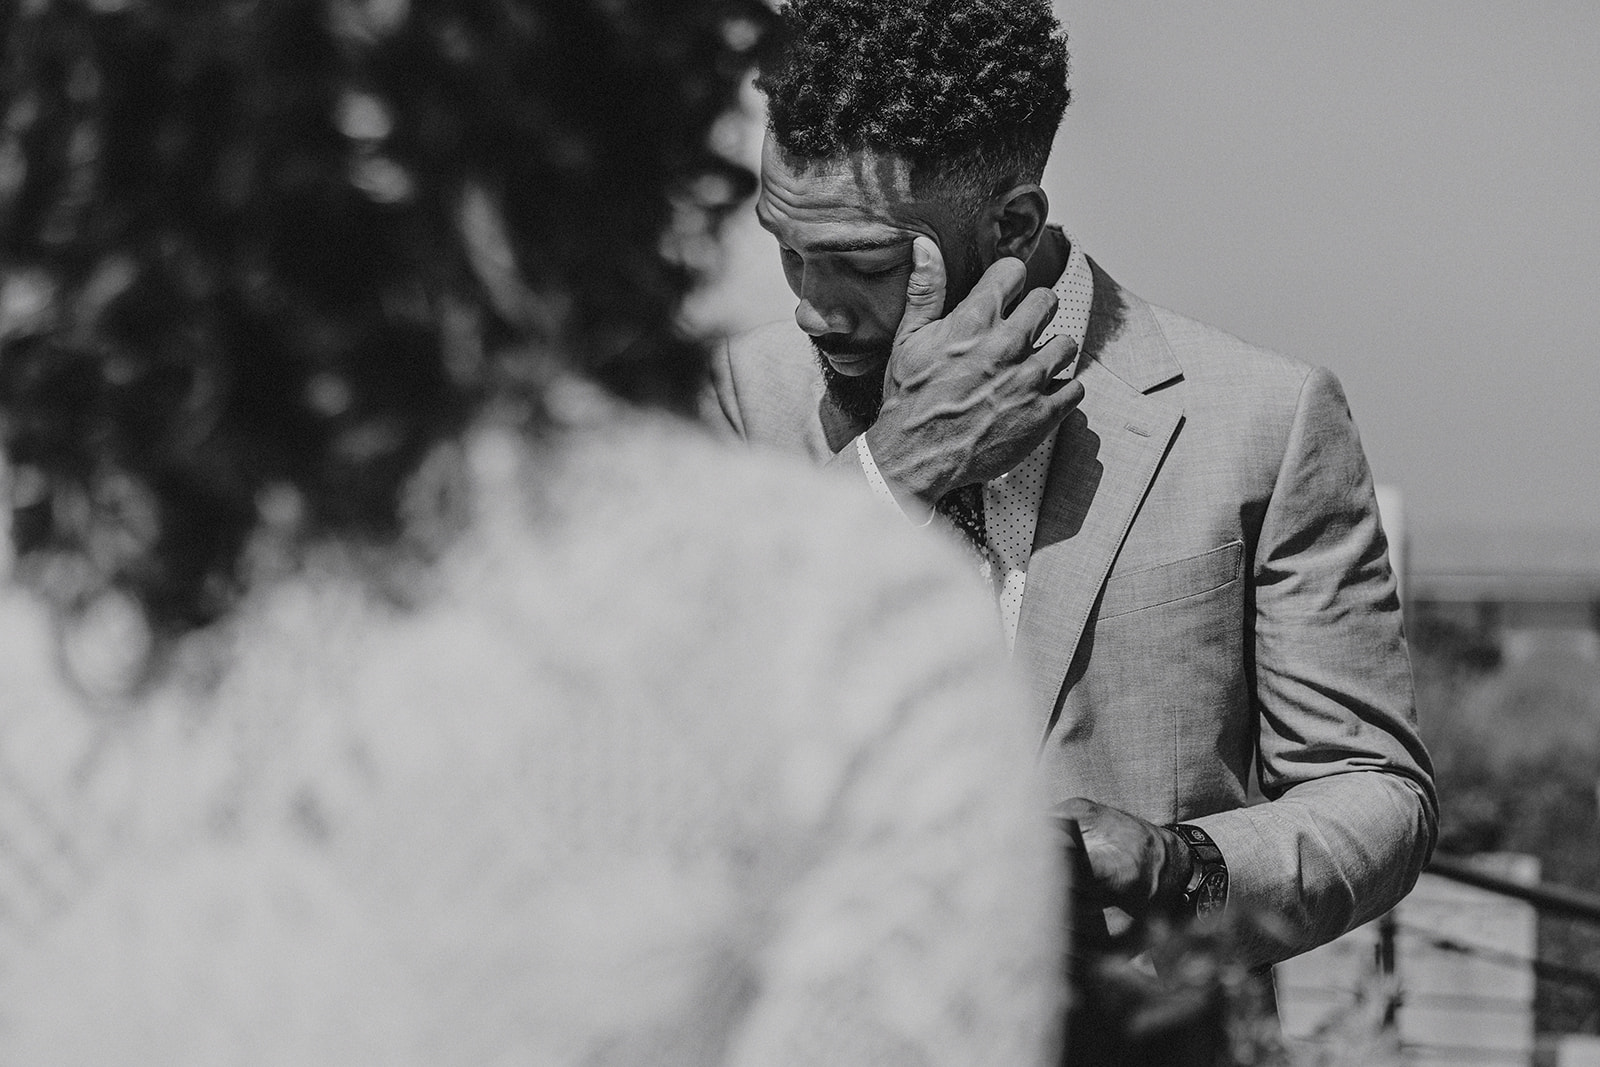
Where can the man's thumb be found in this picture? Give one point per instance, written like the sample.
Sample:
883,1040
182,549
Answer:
925,289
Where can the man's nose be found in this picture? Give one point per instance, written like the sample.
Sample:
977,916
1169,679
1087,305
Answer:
817,318
809,319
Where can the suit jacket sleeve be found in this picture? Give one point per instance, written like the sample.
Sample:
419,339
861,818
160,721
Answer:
1352,813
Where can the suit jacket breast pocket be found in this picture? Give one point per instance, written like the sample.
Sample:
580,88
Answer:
1166,583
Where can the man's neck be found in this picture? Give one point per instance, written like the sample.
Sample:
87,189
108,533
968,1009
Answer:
1049,259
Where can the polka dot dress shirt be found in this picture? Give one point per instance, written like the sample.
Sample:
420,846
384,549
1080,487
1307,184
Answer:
1011,501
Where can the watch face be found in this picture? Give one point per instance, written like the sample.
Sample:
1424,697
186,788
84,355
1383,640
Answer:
1211,893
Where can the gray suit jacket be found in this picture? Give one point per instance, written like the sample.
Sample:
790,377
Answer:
1209,585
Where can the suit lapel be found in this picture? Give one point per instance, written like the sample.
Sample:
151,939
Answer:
1107,453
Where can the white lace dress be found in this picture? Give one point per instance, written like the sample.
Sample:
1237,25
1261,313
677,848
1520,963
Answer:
681,757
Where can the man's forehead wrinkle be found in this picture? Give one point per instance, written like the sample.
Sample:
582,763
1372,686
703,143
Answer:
823,196
817,198
851,203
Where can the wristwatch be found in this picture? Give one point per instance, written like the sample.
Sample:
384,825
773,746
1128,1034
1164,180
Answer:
1207,890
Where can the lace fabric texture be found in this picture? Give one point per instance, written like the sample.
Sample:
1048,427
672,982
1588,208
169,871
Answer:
679,757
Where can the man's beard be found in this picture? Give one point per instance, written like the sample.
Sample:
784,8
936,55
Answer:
860,397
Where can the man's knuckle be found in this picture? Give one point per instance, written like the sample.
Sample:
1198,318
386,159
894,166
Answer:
1011,338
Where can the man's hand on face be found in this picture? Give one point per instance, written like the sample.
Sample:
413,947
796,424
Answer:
1135,865
965,396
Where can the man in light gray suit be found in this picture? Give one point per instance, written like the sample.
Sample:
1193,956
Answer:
1182,535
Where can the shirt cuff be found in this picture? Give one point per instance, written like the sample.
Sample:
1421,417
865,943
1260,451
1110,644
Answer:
880,488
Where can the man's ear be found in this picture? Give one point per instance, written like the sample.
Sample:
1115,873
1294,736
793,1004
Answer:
1017,219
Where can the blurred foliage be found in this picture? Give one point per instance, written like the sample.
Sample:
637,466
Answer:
1516,748
1169,994
1173,995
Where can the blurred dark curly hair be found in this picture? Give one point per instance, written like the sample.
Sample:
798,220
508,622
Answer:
971,92
275,252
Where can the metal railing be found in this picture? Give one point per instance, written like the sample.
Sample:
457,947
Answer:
1546,897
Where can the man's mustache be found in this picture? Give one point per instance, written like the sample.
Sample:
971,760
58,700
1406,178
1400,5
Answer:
841,345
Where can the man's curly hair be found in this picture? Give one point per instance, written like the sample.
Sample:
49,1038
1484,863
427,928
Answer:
970,92
258,260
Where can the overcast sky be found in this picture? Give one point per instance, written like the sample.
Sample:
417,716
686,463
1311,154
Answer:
1407,192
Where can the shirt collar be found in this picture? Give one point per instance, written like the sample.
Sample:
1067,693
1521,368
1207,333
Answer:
1075,291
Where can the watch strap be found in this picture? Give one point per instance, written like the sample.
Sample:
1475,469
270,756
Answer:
1207,891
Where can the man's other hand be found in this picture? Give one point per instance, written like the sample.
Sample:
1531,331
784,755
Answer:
1135,865
965,396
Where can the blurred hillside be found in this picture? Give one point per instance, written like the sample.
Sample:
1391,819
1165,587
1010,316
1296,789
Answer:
1505,636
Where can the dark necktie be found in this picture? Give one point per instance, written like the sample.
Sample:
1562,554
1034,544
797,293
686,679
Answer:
964,508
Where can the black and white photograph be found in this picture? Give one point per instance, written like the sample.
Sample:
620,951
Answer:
783,533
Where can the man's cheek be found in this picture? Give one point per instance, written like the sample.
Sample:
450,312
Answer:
889,305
